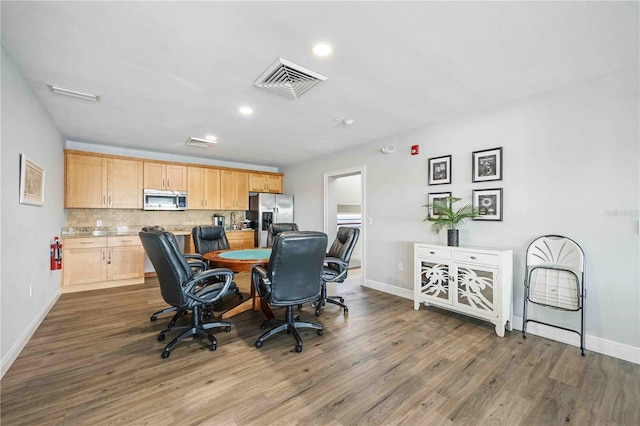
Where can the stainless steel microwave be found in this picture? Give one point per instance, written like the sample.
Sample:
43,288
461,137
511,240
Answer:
160,199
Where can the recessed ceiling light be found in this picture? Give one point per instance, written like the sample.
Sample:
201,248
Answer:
245,110
322,50
212,138
68,92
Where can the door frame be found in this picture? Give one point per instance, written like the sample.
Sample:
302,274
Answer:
332,175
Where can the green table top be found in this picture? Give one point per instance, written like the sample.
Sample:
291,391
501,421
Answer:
248,254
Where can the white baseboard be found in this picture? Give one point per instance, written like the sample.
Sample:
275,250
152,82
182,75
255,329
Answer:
13,353
592,343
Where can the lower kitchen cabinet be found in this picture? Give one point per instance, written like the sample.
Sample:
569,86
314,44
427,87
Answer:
239,240
469,280
101,262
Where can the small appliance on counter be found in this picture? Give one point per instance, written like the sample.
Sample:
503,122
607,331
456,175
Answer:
218,220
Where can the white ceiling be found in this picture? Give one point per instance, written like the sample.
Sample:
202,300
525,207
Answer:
166,71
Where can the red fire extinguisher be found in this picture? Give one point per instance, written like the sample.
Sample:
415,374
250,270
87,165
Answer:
56,255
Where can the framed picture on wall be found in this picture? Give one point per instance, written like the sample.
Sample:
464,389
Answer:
434,197
489,202
31,182
440,170
487,165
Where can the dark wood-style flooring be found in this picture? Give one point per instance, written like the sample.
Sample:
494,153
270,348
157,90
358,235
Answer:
95,360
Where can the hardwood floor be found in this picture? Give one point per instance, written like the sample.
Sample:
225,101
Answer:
96,360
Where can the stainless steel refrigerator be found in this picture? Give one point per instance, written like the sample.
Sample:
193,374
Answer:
267,209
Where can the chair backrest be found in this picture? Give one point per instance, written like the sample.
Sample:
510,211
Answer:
172,268
555,251
555,272
209,238
295,267
276,228
342,248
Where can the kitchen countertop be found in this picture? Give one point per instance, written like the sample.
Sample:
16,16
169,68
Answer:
118,231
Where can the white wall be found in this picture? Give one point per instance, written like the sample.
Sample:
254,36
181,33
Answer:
570,167
26,231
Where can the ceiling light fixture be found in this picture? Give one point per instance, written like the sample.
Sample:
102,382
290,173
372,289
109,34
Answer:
245,110
345,121
73,93
322,49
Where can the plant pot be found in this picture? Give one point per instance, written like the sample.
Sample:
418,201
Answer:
452,237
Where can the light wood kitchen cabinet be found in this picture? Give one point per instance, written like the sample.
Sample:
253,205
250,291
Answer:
101,262
165,176
93,181
234,190
264,182
203,188
240,240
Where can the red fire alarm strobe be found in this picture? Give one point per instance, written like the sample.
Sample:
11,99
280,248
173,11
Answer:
415,149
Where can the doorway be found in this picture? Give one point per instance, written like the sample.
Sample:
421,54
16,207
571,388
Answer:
344,205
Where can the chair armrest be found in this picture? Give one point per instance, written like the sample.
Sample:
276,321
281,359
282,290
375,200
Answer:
199,265
261,281
190,286
343,269
195,256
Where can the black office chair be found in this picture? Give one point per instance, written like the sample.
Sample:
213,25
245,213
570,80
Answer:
213,238
183,288
293,278
337,265
209,238
276,228
196,261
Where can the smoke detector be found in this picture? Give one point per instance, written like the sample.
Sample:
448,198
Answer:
288,79
202,143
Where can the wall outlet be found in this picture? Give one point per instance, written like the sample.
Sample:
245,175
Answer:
400,267
98,223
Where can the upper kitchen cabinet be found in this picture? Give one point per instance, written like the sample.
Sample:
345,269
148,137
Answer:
203,189
234,190
165,176
96,181
265,182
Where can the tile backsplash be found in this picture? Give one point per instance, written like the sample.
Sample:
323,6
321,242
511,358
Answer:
140,218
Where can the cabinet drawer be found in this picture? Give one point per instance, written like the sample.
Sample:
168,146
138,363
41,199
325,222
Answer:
476,258
438,252
77,243
125,240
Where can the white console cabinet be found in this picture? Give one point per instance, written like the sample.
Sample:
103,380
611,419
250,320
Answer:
469,280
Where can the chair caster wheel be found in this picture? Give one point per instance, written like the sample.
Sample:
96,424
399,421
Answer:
318,312
153,318
213,347
165,354
160,337
346,310
258,344
320,332
263,326
227,329
298,348
241,298
341,300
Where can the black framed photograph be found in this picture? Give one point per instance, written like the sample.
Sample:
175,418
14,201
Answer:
487,165
31,182
489,203
433,197
440,170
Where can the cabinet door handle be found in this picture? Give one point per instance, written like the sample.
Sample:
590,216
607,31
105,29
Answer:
109,199
163,183
432,252
86,242
168,184
125,241
104,200
473,257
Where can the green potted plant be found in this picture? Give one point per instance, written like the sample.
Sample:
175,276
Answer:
442,216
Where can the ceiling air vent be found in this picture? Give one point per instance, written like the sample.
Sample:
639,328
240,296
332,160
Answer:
288,79
202,143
